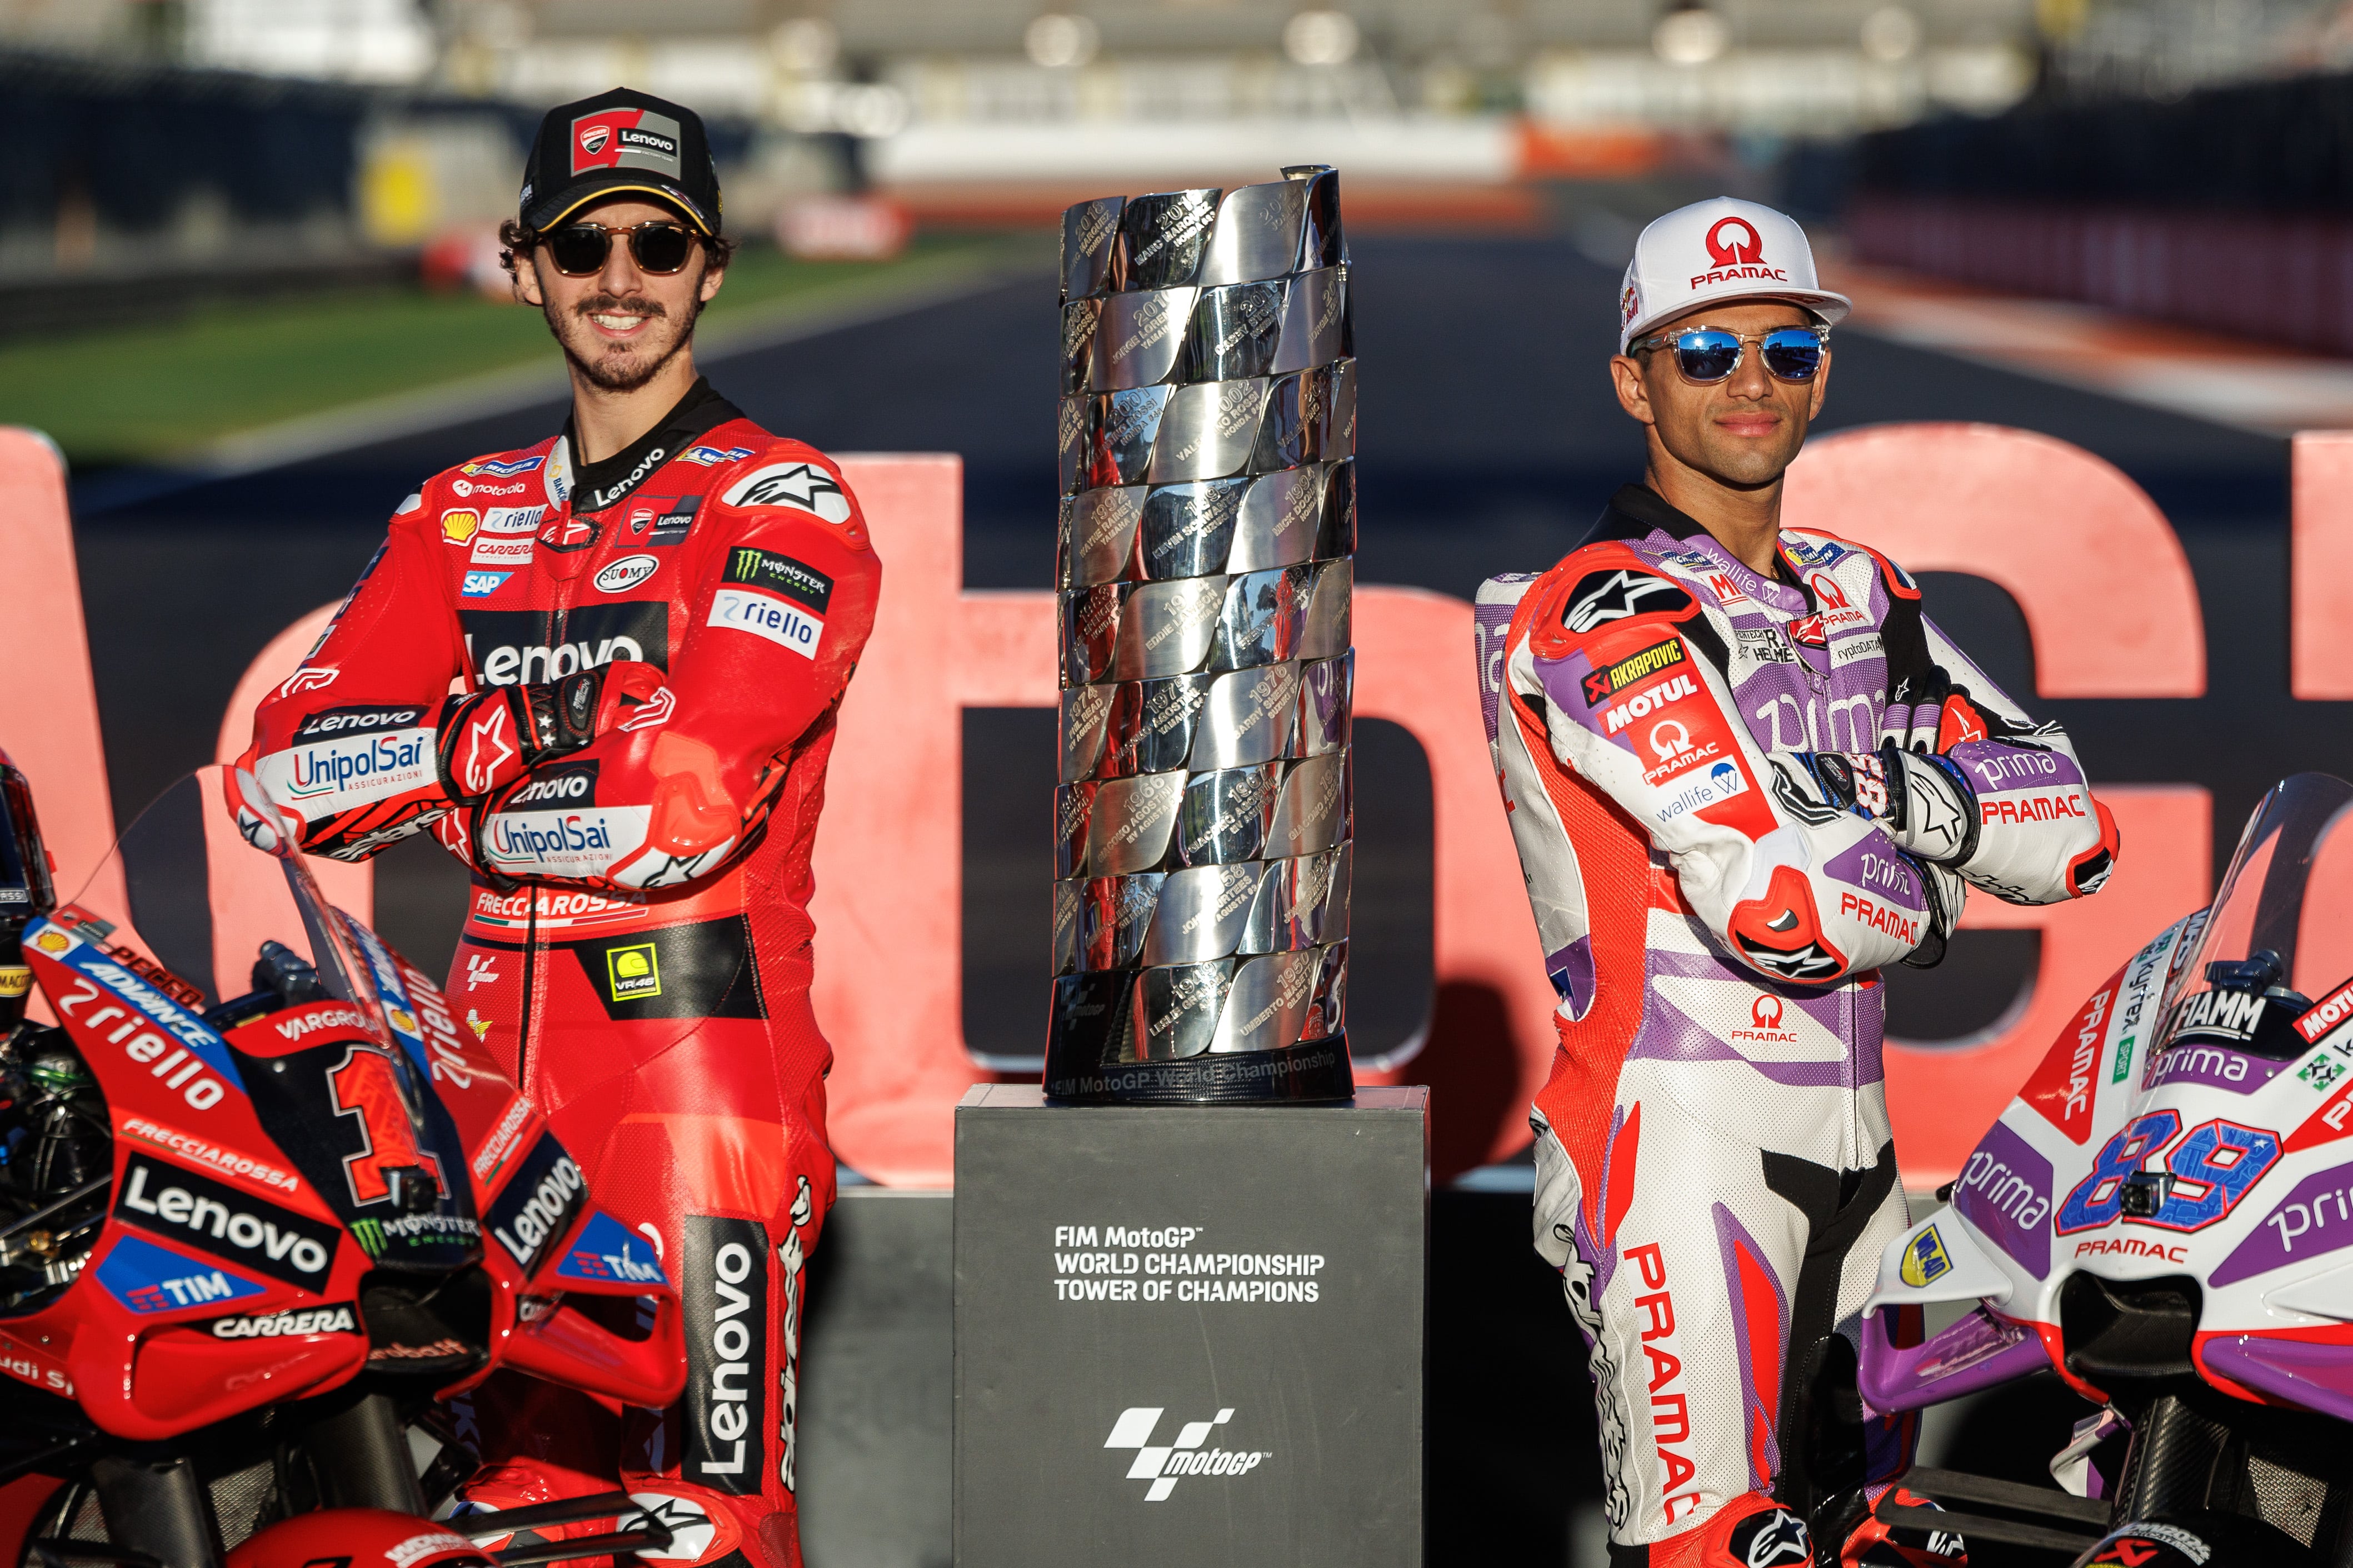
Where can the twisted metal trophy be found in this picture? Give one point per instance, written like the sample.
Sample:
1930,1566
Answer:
1203,821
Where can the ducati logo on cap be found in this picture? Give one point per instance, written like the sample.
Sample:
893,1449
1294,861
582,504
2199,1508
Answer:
626,138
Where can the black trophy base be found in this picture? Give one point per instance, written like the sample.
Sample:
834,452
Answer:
1311,1072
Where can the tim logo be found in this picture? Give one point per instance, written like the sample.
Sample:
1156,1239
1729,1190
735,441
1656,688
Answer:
1733,242
1164,1465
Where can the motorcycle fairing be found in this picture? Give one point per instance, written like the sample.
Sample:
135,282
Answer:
2225,1113
169,1327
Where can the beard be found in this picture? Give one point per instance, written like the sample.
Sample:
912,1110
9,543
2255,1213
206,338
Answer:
621,367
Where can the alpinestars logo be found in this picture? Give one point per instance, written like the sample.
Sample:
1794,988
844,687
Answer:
1165,1466
1605,596
1771,1538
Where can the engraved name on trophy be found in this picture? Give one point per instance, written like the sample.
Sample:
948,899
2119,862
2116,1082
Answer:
1203,819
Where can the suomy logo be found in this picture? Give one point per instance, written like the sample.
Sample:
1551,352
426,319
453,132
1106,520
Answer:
1164,1465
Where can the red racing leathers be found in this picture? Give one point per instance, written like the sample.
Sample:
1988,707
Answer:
1734,797
610,690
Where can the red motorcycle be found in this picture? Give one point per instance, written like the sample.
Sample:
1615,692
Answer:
265,1211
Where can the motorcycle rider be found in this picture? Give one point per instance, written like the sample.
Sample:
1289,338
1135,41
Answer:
1744,771
603,670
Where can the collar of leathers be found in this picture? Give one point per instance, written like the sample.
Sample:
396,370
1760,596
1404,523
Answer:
610,480
1637,511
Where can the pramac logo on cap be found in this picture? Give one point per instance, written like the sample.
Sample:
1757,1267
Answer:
1737,251
1732,241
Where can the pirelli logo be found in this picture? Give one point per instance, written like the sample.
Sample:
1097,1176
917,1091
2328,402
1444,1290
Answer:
1608,681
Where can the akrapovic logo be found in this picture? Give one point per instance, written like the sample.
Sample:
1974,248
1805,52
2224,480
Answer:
724,1294
539,1206
1163,1467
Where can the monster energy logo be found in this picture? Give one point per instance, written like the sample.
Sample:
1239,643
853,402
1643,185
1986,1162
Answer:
780,575
369,1233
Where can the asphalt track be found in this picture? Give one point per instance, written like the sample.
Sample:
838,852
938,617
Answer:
1489,440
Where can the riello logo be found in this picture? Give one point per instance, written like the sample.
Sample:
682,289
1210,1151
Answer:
1164,1465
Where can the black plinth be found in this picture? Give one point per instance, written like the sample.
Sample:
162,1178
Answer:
1189,1335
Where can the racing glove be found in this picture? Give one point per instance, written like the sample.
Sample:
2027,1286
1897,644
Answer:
1922,801
489,738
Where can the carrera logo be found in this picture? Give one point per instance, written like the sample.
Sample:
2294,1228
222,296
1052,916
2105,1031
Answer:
1602,684
220,1219
339,1320
1164,1465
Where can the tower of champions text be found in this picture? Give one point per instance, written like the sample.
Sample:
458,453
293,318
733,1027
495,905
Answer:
1132,1263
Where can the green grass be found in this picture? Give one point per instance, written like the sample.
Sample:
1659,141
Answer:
152,392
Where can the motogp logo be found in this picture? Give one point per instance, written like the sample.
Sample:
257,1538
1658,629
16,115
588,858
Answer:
1733,241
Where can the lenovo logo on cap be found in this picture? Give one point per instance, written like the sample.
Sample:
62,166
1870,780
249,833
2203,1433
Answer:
626,138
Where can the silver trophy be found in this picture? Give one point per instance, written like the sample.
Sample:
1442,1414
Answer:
1203,819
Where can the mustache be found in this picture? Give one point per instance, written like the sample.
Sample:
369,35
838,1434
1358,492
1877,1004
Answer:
613,305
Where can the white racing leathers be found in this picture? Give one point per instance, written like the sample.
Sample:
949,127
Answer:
1734,798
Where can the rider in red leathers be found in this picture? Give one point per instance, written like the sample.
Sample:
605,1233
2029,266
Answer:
1743,770
607,683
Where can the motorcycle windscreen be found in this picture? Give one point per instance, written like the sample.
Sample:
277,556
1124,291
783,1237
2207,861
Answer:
201,903
2280,932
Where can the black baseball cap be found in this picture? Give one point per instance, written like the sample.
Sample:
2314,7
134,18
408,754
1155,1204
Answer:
619,142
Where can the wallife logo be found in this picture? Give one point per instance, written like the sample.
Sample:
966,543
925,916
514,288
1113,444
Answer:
1165,1467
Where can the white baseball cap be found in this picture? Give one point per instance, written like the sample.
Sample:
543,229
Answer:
1716,250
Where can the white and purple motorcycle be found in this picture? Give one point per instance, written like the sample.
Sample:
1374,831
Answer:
2164,1216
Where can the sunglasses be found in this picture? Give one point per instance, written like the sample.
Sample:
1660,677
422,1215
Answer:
1709,355
657,246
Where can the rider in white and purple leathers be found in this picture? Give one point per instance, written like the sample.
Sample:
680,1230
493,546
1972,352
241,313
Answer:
1744,771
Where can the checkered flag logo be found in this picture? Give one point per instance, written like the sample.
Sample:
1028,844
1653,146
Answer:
1164,1465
